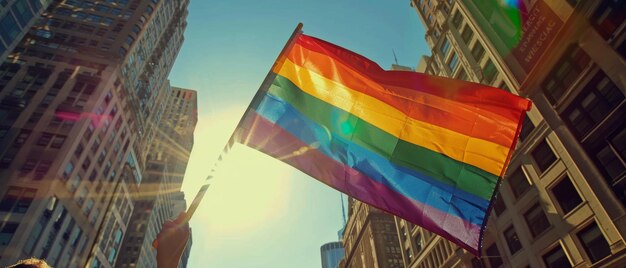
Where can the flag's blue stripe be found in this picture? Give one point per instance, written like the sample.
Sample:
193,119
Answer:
404,181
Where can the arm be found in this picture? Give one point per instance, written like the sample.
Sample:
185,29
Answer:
171,242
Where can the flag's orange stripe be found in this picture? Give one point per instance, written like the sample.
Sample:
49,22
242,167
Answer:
428,108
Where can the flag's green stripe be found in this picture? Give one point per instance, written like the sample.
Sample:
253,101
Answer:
432,164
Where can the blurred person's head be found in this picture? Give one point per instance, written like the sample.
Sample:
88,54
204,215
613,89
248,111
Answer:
30,263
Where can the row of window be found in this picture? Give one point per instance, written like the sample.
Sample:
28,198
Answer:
15,20
595,115
17,199
590,238
52,246
489,71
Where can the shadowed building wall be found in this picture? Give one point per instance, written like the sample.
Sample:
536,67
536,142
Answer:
562,201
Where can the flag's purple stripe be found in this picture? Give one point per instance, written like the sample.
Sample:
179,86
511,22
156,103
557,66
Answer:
402,180
265,136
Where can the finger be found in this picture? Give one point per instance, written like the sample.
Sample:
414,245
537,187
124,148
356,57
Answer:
169,224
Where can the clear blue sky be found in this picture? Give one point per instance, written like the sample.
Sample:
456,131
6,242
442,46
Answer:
260,212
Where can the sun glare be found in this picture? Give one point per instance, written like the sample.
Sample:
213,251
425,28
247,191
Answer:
249,189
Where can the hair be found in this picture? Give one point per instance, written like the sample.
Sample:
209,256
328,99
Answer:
30,263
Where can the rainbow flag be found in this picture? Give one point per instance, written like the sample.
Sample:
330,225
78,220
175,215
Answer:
428,149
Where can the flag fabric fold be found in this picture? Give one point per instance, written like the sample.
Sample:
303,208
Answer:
428,149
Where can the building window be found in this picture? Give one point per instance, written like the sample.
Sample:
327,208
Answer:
17,199
42,169
543,156
457,19
445,47
498,206
75,235
512,240
478,51
45,139
29,165
88,206
103,155
453,61
418,242
10,198
566,195
22,12
79,150
461,75
567,70
57,141
35,234
608,17
68,170
489,72
93,175
94,216
594,243
467,34
518,182
73,183
80,198
22,137
612,156
493,256
536,220
599,98
527,128
556,258
28,195
95,263
86,163
572,2
7,232
9,30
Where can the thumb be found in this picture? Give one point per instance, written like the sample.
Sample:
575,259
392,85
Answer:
181,219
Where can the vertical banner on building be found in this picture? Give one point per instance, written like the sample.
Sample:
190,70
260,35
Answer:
538,31
500,21
519,31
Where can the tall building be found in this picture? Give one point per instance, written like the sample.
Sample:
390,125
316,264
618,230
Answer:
16,18
332,253
176,125
75,94
562,201
159,197
370,238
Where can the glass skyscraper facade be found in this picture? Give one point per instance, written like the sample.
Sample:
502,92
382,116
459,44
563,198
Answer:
332,253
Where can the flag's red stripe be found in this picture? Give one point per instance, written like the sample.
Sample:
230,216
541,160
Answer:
259,133
408,83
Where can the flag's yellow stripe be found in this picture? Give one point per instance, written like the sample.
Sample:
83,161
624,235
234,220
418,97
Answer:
483,154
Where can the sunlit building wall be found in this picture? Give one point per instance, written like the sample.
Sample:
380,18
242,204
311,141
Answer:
159,196
174,138
115,225
561,203
370,238
69,122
